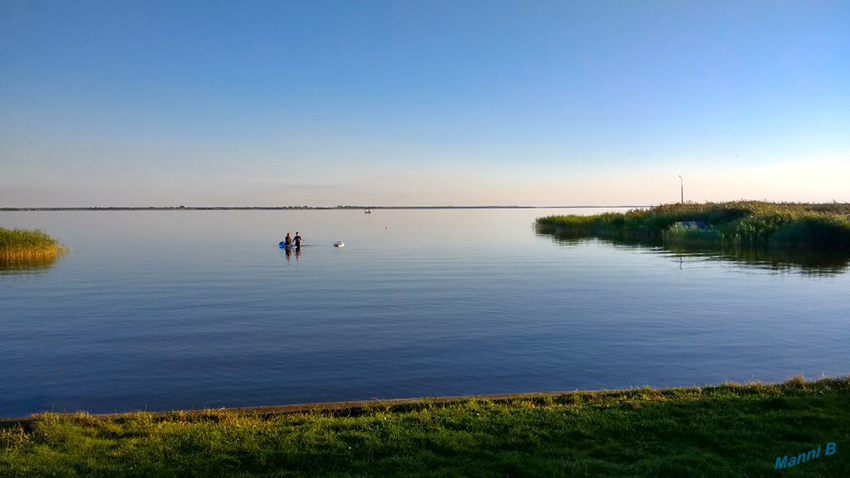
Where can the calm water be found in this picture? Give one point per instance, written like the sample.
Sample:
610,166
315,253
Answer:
167,310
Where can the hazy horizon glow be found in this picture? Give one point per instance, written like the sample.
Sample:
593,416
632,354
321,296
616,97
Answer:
422,103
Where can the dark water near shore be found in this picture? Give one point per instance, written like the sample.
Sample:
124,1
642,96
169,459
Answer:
181,309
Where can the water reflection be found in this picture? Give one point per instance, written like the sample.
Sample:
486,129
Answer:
27,266
288,252
806,262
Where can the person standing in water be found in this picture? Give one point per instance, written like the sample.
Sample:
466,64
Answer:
297,239
287,241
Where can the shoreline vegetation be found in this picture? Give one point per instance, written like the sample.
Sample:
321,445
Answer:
746,224
726,430
28,246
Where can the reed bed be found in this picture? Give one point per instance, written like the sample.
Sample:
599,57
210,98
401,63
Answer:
743,223
23,245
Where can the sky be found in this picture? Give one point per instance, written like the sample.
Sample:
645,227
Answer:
215,103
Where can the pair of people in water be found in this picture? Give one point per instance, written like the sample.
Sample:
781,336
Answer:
290,241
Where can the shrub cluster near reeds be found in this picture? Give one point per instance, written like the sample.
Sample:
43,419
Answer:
24,244
746,223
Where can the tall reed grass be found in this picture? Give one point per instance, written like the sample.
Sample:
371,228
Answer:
744,223
21,245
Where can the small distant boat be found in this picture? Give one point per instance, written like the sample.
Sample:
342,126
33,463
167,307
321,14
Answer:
368,211
339,244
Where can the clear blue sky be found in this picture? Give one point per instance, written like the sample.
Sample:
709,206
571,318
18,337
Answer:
461,102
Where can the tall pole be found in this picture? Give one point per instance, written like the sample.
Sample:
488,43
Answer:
682,188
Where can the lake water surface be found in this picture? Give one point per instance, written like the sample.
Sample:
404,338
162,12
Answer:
169,310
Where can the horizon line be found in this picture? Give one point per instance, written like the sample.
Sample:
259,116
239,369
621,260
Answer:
189,208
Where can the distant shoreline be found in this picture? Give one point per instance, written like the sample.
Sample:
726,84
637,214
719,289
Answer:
292,208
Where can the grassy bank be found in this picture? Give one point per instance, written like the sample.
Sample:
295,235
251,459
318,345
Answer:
731,430
24,245
742,223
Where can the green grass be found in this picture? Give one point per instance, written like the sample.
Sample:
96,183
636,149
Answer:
24,245
743,223
728,430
